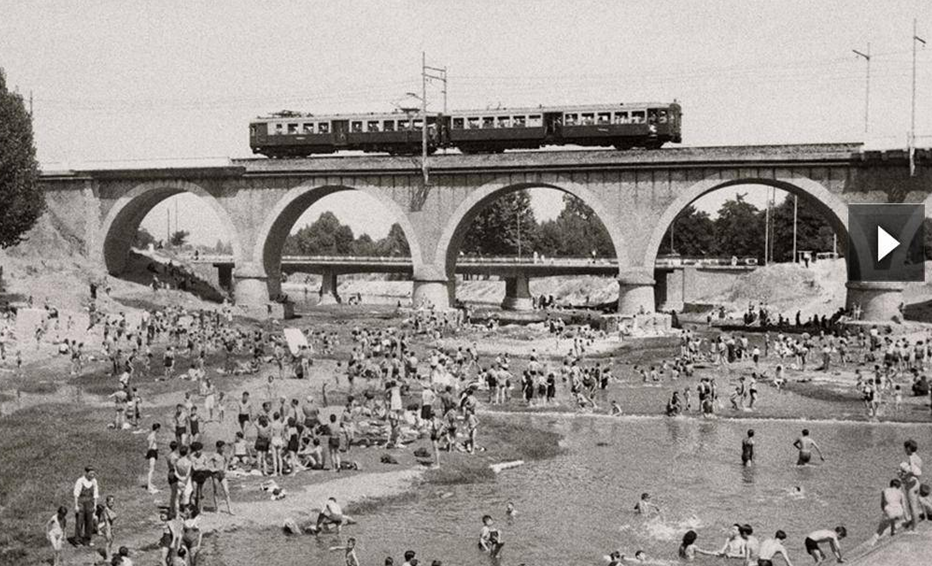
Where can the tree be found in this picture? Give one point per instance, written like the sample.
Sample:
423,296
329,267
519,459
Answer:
394,244
739,230
501,225
813,232
178,238
324,236
576,232
143,239
21,198
693,234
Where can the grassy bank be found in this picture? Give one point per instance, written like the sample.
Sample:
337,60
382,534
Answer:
44,450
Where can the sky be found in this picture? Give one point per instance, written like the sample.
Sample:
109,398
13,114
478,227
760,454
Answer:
140,82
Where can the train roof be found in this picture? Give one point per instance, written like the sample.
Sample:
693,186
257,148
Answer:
567,108
285,115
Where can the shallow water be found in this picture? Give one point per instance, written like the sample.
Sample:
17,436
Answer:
577,507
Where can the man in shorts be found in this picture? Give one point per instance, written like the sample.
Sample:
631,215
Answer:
806,445
816,538
770,548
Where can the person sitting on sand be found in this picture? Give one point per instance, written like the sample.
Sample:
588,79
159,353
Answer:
331,514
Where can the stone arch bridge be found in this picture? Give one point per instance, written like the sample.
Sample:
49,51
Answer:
635,194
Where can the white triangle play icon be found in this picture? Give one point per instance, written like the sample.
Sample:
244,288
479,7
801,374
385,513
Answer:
885,243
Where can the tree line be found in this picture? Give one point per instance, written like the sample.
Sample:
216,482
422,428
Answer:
507,227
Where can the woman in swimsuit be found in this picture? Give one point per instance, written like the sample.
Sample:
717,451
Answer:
191,535
893,504
55,532
278,443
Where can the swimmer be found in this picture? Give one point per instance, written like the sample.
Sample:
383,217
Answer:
644,506
816,538
772,547
805,445
510,509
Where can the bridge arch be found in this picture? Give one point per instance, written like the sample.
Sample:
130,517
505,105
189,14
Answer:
458,224
119,227
270,239
827,204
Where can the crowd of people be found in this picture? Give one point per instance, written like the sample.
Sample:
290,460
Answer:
393,392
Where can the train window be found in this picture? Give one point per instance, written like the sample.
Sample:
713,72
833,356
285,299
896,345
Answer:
253,130
534,121
473,123
663,116
652,116
588,119
458,123
637,117
323,128
308,128
292,128
356,127
372,125
388,125
403,125
418,124
488,122
520,121
621,117
504,121
279,129
604,118
570,119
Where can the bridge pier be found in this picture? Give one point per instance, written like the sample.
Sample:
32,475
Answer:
251,287
432,293
876,300
636,291
518,293
225,277
328,288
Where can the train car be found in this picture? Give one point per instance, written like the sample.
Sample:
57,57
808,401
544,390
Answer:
290,134
624,126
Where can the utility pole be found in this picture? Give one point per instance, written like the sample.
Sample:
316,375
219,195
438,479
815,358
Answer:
795,216
767,231
867,89
672,228
912,126
429,74
518,220
168,227
30,104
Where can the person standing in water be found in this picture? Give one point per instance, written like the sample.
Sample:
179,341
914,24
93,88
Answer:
771,547
747,449
806,445
816,538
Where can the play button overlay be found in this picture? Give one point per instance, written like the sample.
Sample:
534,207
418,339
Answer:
885,242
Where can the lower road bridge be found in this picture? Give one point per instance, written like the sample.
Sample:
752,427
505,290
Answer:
636,195
677,280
